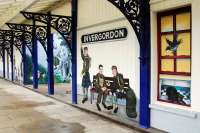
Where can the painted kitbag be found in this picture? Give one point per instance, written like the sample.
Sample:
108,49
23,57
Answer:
131,102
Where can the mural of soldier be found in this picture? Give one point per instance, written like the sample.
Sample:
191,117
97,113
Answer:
86,82
100,85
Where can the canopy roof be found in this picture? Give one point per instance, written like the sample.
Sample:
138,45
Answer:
10,9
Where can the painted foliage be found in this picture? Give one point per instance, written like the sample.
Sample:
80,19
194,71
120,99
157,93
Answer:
62,62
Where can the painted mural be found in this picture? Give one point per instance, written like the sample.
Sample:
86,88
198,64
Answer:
62,62
175,91
105,79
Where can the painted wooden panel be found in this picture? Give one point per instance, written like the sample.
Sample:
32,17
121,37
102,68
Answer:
184,47
167,65
167,23
183,65
183,21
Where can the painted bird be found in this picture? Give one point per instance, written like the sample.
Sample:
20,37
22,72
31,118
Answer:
173,45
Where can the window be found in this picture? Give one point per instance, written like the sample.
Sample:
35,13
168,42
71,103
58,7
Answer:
174,56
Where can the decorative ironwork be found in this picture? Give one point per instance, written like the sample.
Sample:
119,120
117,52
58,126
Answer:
6,40
138,14
60,23
132,11
41,33
17,40
28,41
9,37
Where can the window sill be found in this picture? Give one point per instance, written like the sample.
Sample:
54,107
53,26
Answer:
175,111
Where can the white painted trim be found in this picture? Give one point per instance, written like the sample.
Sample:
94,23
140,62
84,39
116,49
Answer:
162,5
185,113
101,23
155,1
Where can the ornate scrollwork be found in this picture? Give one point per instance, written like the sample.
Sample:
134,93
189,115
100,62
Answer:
60,23
41,17
9,38
132,10
41,33
27,15
18,41
6,38
28,38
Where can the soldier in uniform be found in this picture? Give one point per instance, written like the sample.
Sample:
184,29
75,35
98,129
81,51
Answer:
118,86
100,85
86,82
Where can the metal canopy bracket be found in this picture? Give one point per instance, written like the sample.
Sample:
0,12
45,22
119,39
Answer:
40,33
60,23
7,42
133,12
138,14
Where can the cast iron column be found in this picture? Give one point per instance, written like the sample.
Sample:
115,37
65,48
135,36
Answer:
11,59
74,50
50,57
35,58
145,67
4,63
24,58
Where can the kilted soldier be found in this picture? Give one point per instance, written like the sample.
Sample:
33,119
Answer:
100,85
86,82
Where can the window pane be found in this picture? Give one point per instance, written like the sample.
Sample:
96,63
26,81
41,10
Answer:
166,23
164,45
183,21
179,77
184,47
167,65
183,65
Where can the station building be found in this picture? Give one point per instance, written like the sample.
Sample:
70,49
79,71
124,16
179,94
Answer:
164,78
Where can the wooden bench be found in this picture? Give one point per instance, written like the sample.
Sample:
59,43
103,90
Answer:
109,82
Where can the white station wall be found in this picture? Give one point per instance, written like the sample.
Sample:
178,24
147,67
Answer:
124,54
100,15
165,116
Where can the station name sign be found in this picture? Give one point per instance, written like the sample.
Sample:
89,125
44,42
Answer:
114,34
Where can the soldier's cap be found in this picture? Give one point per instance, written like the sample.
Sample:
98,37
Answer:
114,67
100,65
85,48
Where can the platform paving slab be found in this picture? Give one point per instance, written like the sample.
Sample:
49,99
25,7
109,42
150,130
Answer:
24,111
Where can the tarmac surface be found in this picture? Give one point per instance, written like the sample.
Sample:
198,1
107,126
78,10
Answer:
24,111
